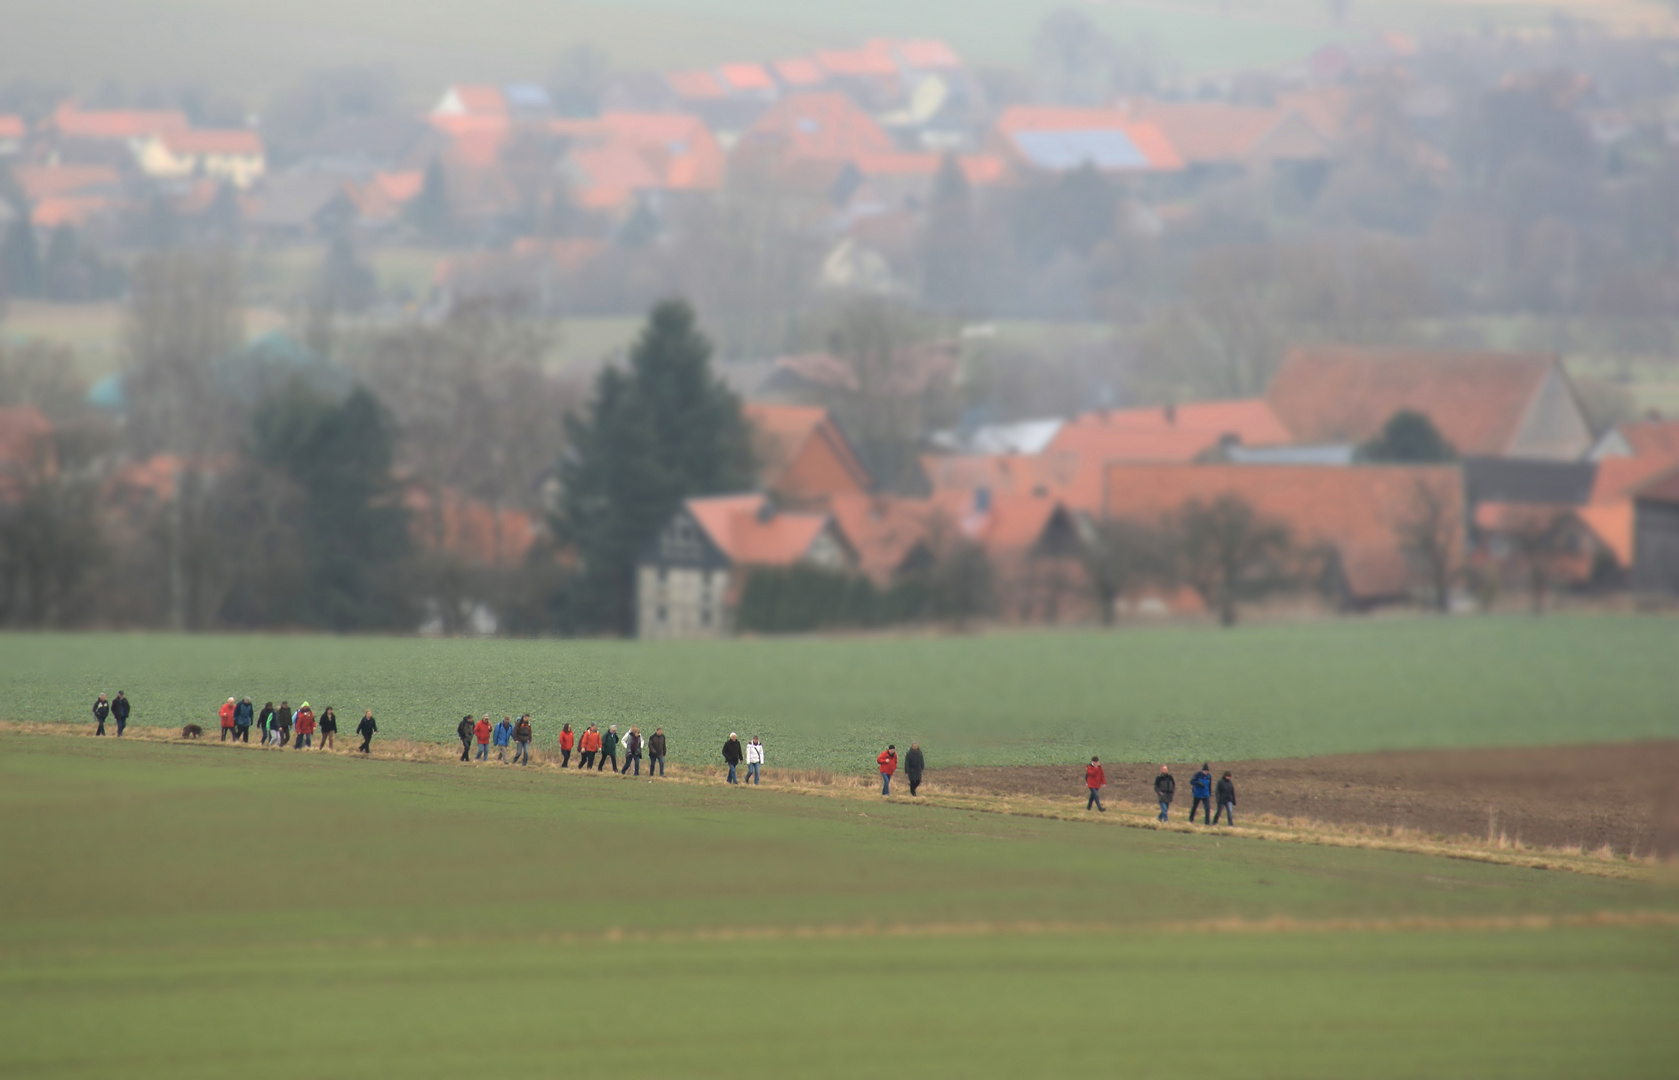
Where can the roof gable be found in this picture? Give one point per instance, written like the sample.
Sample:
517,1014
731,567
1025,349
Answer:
1342,393
820,125
749,531
785,439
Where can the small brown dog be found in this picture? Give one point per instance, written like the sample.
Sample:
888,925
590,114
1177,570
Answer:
191,731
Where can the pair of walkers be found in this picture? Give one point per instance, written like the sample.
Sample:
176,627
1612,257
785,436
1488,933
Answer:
915,763
115,709
752,754
1204,792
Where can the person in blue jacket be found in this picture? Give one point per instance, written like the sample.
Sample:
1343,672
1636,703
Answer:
242,713
1201,786
503,737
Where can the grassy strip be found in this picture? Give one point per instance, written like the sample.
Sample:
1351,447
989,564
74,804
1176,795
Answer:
1498,851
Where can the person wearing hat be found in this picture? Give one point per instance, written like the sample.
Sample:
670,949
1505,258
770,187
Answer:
1226,801
1201,786
1095,779
101,709
888,762
1165,786
242,721
732,754
226,715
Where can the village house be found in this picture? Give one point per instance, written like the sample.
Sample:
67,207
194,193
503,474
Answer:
233,155
690,578
803,457
1485,404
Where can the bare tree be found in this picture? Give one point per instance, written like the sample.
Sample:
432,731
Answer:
184,311
1122,555
1429,535
1228,552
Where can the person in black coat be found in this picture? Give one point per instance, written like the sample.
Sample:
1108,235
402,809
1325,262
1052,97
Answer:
119,712
914,766
366,729
1165,786
464,730
265,720
101,709
1226,799
732,753
656,752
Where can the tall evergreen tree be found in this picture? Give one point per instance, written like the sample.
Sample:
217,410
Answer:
661,432
355,533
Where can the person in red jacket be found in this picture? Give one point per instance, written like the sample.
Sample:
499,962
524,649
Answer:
1095,779
482,733
888,762
568,739
227,719
590,745
305,727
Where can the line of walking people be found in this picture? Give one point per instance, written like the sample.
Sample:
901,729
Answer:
279,727
595,748
1201,787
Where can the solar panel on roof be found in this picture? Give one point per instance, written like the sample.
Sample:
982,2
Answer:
1059,151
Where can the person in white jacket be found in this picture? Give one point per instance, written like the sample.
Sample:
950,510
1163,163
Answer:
754,759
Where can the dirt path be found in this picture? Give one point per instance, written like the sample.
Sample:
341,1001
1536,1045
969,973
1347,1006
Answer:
1625,795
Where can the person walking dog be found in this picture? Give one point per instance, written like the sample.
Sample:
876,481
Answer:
1226,801
1165,786
242,713
1201,787
522,740
119,711
464,730
366,730
568,739
732,754
1095,779
226,716
888,762
914,766
754,761
101,709
656,752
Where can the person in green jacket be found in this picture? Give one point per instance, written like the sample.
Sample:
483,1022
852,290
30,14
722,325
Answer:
609,748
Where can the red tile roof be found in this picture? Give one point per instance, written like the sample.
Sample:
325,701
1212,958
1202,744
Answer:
788,438
74,210
1354,509
799,72
44,181
474,99
749,535
821,125
240,141
1209,132
677,148
1118,433
884,530
1652,437
1343,393
71,121
696,85
1008,526
747,77
1005,474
